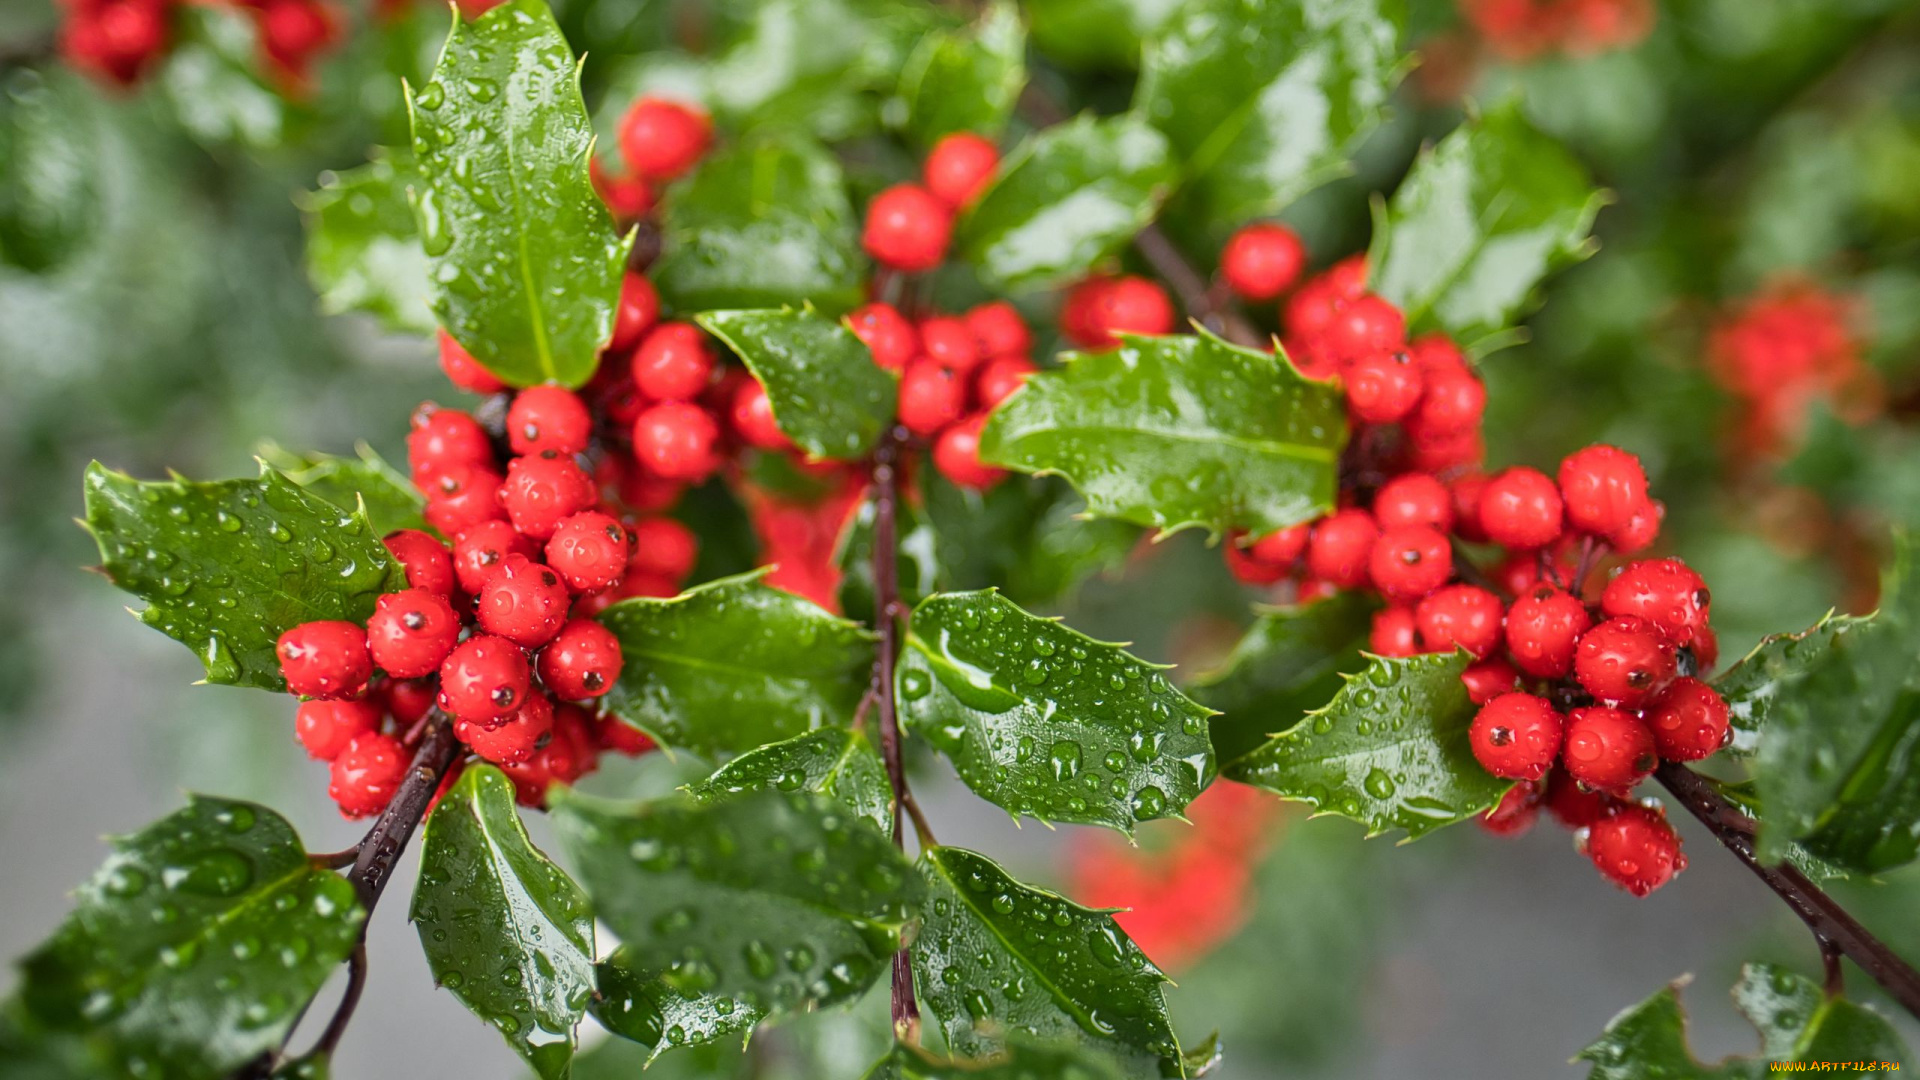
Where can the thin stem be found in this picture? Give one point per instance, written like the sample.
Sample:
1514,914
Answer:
886,620
921,829
356,985
1837,933
335,860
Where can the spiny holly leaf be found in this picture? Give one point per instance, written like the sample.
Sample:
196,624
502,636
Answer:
1043,720
363,245
1482,219
764,223
503,927
783,901
996,959
228,566
391,500
1104,34
1773,671
1022,1060
1031,537
195,945
1390,751
917,568
526,261
1290,662
1179,431
640,1004
50,199
827,394
1066,197
1796,1022
735,664
1745,798
834,761
1265,100
967,79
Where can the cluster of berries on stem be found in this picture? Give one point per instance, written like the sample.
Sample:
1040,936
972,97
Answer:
1783,349
120,41
1527,29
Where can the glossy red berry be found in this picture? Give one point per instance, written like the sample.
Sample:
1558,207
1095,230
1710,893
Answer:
907,228
426,561
662,139
1665,592
677,440
1098,311
628,198
949,342
1488,679
523,602
1393,633
1543,627
1689,720
410,632
1516,736
1609,749
1604,487
1447,453
1245,567
1413,499
478,551
514,738
1453,403
956,453
751,413
1465,490
366,774
462,496
1459,616
613,733
548,419
664,547
1262,260
1364,326
959,167
1624,660
325,659
1574,806
673,362
1635,848
1282,547
326,727
1516,811
589,551
1642,529
998,330
999,378
540,491
1520,508
440,439
582,661
888,335
409,699
1409,562
484,678
463,371
1383,387
1340,546
639,310
931,397
1435,353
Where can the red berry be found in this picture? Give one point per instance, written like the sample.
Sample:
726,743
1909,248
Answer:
1409,562
1459,616
1635,848
1383,387
907,228
1574,806
1262,260
410,632
1445,453
1604,487
1665,592
628,198
1102,309
1466,491
1363,326
639,309
1282,547
1543,627
548,419
440,439
425,560
617,735
531,779
1413,499
999,330
1312,308
673,363
1249,570
956,453
1339,548
461,497
1453,403
959,167
949,342
1516,811
677,440
1705,648
478,551
589,551
1393,633
1488,679
1608,749
1624,661
752,416
582,661
523,602
1516,736
541,491
888,335
513,739
1520,508
662,139
1643,528
931,397
325,659
409,699
484,678
367,773
1435,352
1000,377
326,727
665,548
1689,721
463,370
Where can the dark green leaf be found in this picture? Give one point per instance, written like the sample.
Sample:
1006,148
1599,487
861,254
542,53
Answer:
638,1003
827,394
1265,100
833,761
1745,798
1481,220
735,664
1043,720
1066,198
49,172
1020,1061
968,79
195,945
314,1066
1290,662
1390,751
363,246
1030,537
1773,671
996,959
916,564
764,223
228,566
1096,33
526,262
503,927
619,1059
391,500
1179,431
784,901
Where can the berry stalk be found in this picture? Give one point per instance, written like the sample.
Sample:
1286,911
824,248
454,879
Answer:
886,620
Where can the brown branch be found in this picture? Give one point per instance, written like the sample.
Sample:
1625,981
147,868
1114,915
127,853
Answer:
886,619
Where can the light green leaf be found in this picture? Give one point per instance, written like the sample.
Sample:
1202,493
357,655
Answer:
968,79
827,394
833,761
1290,662
1103,34
391,500
363,245
50,197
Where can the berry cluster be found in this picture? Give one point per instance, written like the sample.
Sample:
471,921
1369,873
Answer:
1780,351
293,34
1525,29
118,41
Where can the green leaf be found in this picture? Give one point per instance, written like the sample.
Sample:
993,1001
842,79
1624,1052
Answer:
194,947
50,198
363,246
967,79
1066,198
620,1059
1389,751
526,262
1266,100
833,761
735,664
1030,536
917,566
1796,1022
503,927
996,959
763,223
214,85
1103,34
1043,720
228,566
1479,222
640,1004
1773,672
827,394
1179,431
391,500
1290,662
781,900
1020,1061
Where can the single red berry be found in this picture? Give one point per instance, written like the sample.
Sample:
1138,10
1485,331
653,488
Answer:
1705,648
582,661
1339,547
478,551
410,632
1413,499
1609,749
949,342
461,497
999,378
613,733
1543,627
1262,260
441,439
589,551
366,774
1282,547
1520,508
1123,305
548,419
325,659
664,547
1689,720
662,139
326,727
523,602
677,440
1466,490
1624,660
1447,453
1642,529
1574,806
1665,592
1409,562
1436,352
1604,487
956,453
1453,403
1516,811
1516,736
426,561
291,31
1460,616
513,739
628,198
931,397
1364,326
673,362
959,167
531,780
888,335
907,228
1312,308
541,491
463,370
998,330
1383,387
1488,679
484,678
1393,633
1246,568
409,699
1635,848
639,310
752,415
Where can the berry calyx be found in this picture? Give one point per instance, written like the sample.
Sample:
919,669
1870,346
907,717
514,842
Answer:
1624,660
1262,260
907,228
523,602
1609,749
1635,848
1543,628
367,773
1516,736
325,659
484,678
582,661
1689,720
410,632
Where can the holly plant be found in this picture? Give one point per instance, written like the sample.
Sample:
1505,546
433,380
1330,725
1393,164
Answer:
946,336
